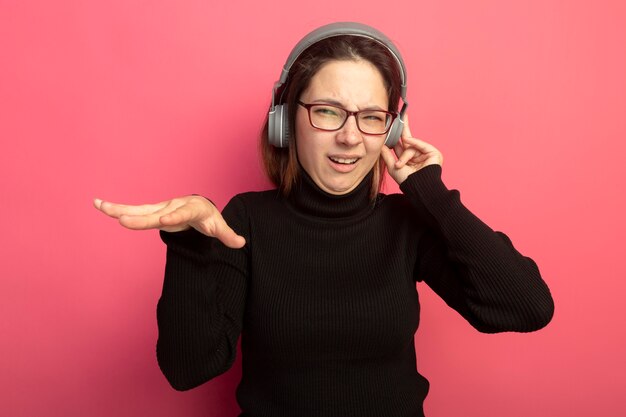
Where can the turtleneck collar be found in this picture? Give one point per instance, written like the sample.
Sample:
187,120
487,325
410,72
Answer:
308,198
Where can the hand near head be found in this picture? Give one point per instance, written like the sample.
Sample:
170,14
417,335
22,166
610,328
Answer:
412,155
173,216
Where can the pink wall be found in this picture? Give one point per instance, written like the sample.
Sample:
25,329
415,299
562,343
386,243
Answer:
139,101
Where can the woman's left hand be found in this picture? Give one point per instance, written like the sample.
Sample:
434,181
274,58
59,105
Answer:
412,155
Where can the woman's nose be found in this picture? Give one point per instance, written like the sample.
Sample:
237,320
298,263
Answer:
349,134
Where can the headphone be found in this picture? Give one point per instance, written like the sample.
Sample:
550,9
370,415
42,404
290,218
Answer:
278,123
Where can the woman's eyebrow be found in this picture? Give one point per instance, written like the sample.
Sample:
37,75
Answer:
343,106
328,101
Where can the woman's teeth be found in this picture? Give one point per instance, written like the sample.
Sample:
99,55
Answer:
343,160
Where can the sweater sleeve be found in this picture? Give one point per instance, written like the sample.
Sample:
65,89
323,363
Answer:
475,270
200,311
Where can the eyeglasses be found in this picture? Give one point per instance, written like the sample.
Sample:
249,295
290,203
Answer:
330,118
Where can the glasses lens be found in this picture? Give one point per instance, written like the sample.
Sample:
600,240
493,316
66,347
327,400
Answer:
327,117
374,122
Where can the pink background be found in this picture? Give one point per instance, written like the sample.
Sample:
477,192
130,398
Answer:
137,101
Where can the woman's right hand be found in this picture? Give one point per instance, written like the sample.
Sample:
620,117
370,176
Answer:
173,216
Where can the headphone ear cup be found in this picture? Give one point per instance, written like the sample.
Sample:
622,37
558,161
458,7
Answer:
395,131
278,126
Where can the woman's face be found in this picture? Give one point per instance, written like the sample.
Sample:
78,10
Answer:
338,161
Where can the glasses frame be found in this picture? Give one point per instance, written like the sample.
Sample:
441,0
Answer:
348,114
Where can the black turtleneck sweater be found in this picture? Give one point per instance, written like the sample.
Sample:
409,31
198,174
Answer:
324,298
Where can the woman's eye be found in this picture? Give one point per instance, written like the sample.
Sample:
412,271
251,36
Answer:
326,111
374,117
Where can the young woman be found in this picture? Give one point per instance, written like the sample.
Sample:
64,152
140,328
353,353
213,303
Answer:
318,275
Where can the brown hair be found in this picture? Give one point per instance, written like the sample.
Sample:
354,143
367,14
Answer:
281,164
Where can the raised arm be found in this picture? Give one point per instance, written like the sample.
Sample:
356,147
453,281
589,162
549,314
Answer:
476,270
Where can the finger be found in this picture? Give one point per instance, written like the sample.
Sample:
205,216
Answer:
406,156
217,227
388,157
181,216
426,150
117,210
422,146
399,148
142,222
228,237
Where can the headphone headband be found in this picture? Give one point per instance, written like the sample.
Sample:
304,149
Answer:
339,29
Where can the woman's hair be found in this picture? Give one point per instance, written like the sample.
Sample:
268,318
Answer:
281,164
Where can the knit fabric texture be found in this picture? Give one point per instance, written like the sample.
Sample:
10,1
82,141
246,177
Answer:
324,296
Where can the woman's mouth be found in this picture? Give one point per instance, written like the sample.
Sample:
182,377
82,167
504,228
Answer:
343,161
